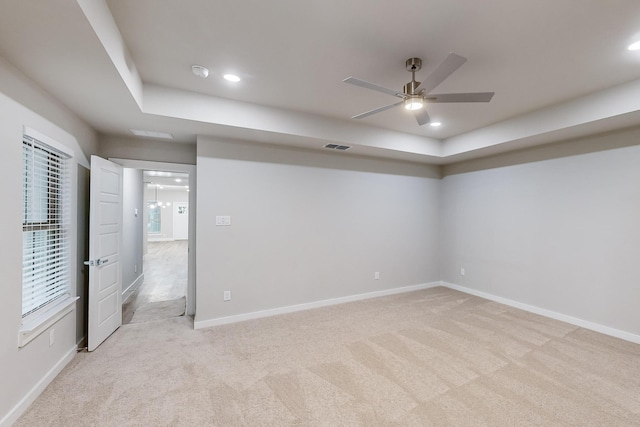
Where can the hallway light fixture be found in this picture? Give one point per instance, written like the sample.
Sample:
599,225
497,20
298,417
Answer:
155,204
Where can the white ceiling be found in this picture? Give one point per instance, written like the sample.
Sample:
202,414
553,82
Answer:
166,180
559,69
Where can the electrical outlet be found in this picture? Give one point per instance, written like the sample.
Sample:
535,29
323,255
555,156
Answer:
227,295
376,275
462,272
52,337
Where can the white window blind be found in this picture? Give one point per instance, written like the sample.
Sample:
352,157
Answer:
45,225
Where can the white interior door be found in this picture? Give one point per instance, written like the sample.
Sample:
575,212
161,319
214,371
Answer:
180,220
105,241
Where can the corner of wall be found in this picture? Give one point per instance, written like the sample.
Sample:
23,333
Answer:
606,330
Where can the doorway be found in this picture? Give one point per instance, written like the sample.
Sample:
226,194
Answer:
165,225
164,286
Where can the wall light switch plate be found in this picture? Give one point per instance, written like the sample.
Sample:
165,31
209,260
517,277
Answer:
223,220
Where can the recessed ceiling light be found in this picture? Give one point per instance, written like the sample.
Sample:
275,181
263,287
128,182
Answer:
231,78
435,124
200,71
634,46
178,180
151,134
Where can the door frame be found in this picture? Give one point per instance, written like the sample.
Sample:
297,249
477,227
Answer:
181,168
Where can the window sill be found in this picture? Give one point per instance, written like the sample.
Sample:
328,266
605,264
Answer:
40,323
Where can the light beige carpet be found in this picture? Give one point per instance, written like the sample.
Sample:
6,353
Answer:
159,310
430,358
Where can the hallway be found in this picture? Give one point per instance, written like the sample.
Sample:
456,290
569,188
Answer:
163,293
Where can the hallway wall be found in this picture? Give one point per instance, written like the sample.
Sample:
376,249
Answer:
132,227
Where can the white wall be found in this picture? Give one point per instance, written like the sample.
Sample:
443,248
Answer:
146,149
308,226
26,371
561,234
132,235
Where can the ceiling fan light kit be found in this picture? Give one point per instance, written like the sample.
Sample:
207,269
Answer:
416,94
412,104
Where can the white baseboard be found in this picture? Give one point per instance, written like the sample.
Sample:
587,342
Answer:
132,288
627,336
33,394
307,306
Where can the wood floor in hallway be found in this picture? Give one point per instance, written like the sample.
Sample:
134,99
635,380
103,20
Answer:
165,283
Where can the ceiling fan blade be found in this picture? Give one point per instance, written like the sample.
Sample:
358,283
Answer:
422,116
460,97
444,70
377,110
365,84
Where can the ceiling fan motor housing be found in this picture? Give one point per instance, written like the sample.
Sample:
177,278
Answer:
411,87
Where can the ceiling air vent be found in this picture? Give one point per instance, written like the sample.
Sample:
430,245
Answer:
337,147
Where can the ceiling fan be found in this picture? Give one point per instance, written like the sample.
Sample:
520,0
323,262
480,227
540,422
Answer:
415,95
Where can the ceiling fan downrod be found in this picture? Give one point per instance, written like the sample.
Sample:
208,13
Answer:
413,65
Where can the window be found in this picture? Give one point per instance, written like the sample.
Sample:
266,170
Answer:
45,226
153,218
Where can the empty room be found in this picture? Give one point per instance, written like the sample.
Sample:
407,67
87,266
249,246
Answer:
286,213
